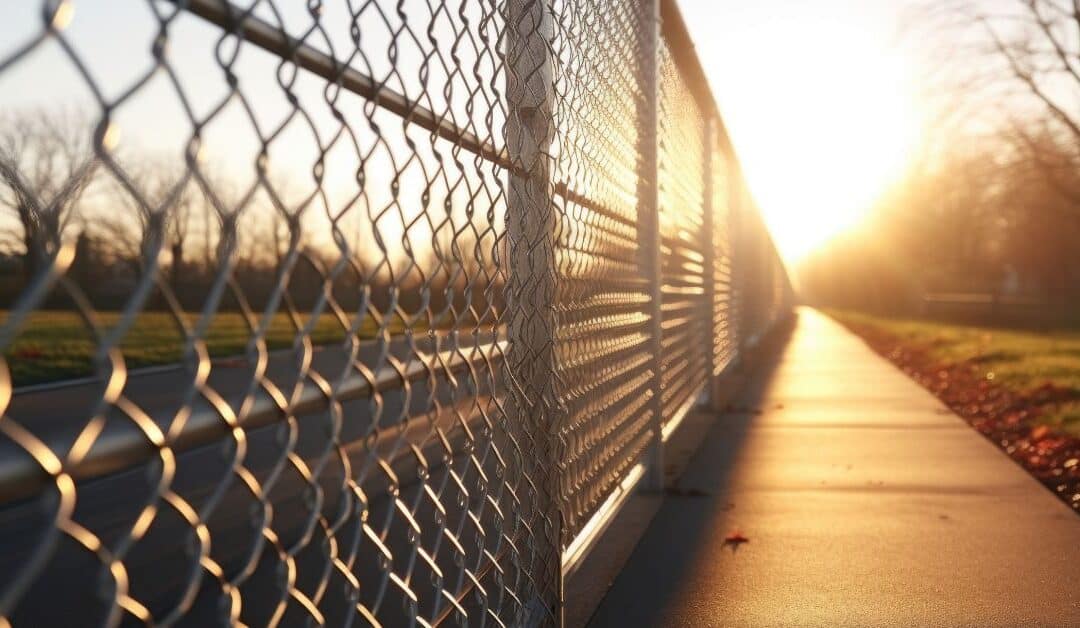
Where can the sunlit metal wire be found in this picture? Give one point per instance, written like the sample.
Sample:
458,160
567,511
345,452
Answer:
342,312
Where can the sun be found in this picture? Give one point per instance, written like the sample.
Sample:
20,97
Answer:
816,171
820,107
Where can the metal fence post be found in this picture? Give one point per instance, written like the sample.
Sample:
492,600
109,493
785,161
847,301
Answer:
649,229
736,242
709,274
530,225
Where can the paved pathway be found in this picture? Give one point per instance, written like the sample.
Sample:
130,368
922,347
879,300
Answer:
866,503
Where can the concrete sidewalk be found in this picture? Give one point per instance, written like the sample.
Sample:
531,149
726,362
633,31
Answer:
866,503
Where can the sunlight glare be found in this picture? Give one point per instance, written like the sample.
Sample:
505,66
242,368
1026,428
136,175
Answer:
818,103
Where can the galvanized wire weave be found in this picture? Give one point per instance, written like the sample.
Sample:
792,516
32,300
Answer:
342,312
682,138
601,341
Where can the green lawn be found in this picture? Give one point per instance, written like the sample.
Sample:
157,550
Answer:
56,345
1018,360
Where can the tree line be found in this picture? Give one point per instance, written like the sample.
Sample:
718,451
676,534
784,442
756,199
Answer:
134,218
991,204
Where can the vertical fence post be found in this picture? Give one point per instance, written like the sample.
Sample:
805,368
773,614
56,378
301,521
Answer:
530,226
709,274
736,243
648,224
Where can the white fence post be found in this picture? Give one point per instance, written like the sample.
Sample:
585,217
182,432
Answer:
530,226
649,229
709,278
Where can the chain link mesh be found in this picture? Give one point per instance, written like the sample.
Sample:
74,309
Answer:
724,316
683,239
332,312
602,338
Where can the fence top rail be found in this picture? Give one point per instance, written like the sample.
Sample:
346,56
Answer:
260,33
675,33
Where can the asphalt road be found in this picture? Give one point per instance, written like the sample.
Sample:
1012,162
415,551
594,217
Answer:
453,500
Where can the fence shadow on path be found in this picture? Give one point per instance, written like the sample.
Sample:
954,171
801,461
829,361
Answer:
671,547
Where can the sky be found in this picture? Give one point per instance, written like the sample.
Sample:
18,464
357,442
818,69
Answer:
815,95
112,40
818,99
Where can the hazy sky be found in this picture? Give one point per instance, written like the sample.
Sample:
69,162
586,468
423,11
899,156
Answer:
818,101
816,97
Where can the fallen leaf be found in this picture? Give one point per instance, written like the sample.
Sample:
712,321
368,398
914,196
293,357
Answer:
735,539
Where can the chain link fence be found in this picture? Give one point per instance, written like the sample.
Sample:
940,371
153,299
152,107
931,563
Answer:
350,312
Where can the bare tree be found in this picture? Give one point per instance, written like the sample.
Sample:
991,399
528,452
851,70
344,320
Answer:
46,163
160,198
995,190
1023,66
